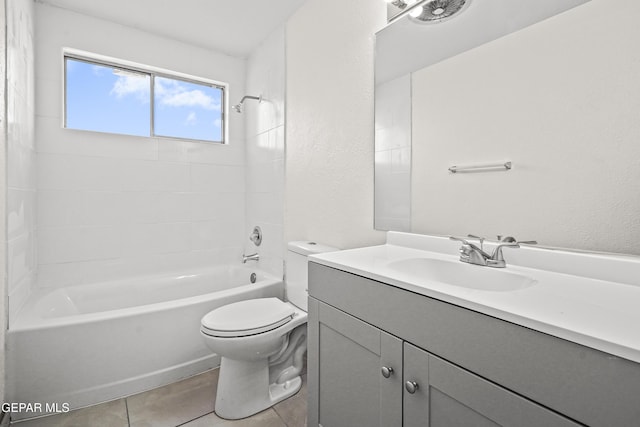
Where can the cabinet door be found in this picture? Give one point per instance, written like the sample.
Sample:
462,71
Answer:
438,394
352,389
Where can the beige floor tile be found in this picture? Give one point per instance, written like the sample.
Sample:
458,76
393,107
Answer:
267,418
293,410
110,414
175,403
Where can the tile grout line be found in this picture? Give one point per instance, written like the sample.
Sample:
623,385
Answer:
280,416
196,418
126,406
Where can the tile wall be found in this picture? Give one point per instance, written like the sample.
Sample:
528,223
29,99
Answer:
114,206
264,174
21,154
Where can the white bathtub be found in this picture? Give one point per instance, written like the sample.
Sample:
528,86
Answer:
87,344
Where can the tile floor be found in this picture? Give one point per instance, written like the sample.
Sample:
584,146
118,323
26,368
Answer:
187,403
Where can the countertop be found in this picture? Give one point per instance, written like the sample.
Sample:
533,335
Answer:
593,311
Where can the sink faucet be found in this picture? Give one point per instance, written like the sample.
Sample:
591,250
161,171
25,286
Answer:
252,257
473,254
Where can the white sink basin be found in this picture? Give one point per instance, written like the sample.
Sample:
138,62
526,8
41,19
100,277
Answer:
457,273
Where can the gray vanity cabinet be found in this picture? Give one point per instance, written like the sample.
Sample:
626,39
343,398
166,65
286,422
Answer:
352,390
469,369
367,377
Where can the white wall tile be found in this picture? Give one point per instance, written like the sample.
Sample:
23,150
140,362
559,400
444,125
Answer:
59,275
55,139
146,239
217,178
21,155
21,212
20,259
19,296
265,151
60,207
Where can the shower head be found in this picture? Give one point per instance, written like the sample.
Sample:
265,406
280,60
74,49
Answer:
435,11
239,107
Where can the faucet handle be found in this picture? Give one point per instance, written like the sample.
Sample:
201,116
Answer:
481,239
528,242
510,239
459,239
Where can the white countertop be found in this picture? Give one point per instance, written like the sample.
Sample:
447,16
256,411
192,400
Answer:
582,304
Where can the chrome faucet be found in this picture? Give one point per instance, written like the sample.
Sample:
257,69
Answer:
252,257
473,254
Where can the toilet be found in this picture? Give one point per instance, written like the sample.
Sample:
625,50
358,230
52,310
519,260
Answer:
262,342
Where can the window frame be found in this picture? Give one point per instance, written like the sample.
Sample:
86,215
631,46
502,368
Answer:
152,72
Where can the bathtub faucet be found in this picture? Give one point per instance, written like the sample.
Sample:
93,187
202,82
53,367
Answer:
252,257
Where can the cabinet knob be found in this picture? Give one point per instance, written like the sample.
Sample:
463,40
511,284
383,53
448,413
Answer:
387,371
411,386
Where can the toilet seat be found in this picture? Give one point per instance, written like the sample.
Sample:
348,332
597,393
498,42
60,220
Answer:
249,317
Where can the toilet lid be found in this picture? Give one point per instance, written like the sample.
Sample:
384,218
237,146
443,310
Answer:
248,317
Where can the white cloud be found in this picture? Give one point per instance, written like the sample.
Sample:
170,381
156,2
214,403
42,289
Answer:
131,84
98,70
192,119
173,94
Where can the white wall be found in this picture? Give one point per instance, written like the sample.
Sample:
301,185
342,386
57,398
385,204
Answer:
560,99
3,204
111,206
329,132
21,154
265,150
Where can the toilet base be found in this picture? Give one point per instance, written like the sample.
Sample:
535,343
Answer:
244,389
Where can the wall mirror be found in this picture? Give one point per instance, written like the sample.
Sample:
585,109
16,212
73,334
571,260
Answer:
548,85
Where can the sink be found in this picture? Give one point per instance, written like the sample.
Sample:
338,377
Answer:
464,275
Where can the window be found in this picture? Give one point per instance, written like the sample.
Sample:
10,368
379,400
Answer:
106,97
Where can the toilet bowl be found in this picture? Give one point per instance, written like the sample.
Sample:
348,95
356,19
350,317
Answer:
262,342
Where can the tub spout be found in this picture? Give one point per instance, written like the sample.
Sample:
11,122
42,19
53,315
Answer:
252,257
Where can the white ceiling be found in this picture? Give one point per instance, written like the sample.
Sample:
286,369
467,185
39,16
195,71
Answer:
234,27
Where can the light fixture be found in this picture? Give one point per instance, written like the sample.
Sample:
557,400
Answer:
434,11
416,12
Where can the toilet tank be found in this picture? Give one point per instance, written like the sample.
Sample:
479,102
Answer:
296,269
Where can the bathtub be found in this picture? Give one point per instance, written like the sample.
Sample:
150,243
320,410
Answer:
87,344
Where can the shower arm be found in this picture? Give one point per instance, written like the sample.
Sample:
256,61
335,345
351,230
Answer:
238,107
257,98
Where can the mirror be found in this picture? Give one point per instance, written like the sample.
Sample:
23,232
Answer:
397,7
558,99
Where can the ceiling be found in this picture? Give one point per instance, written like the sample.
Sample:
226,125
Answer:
234,27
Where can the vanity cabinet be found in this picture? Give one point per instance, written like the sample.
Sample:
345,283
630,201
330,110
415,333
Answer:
351,388
383,356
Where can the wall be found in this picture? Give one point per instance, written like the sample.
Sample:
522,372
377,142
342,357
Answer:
264,174
329,133
560,100
17,132
3,205
112,206
21,154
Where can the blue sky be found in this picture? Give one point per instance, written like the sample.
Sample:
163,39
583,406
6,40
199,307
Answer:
107,99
